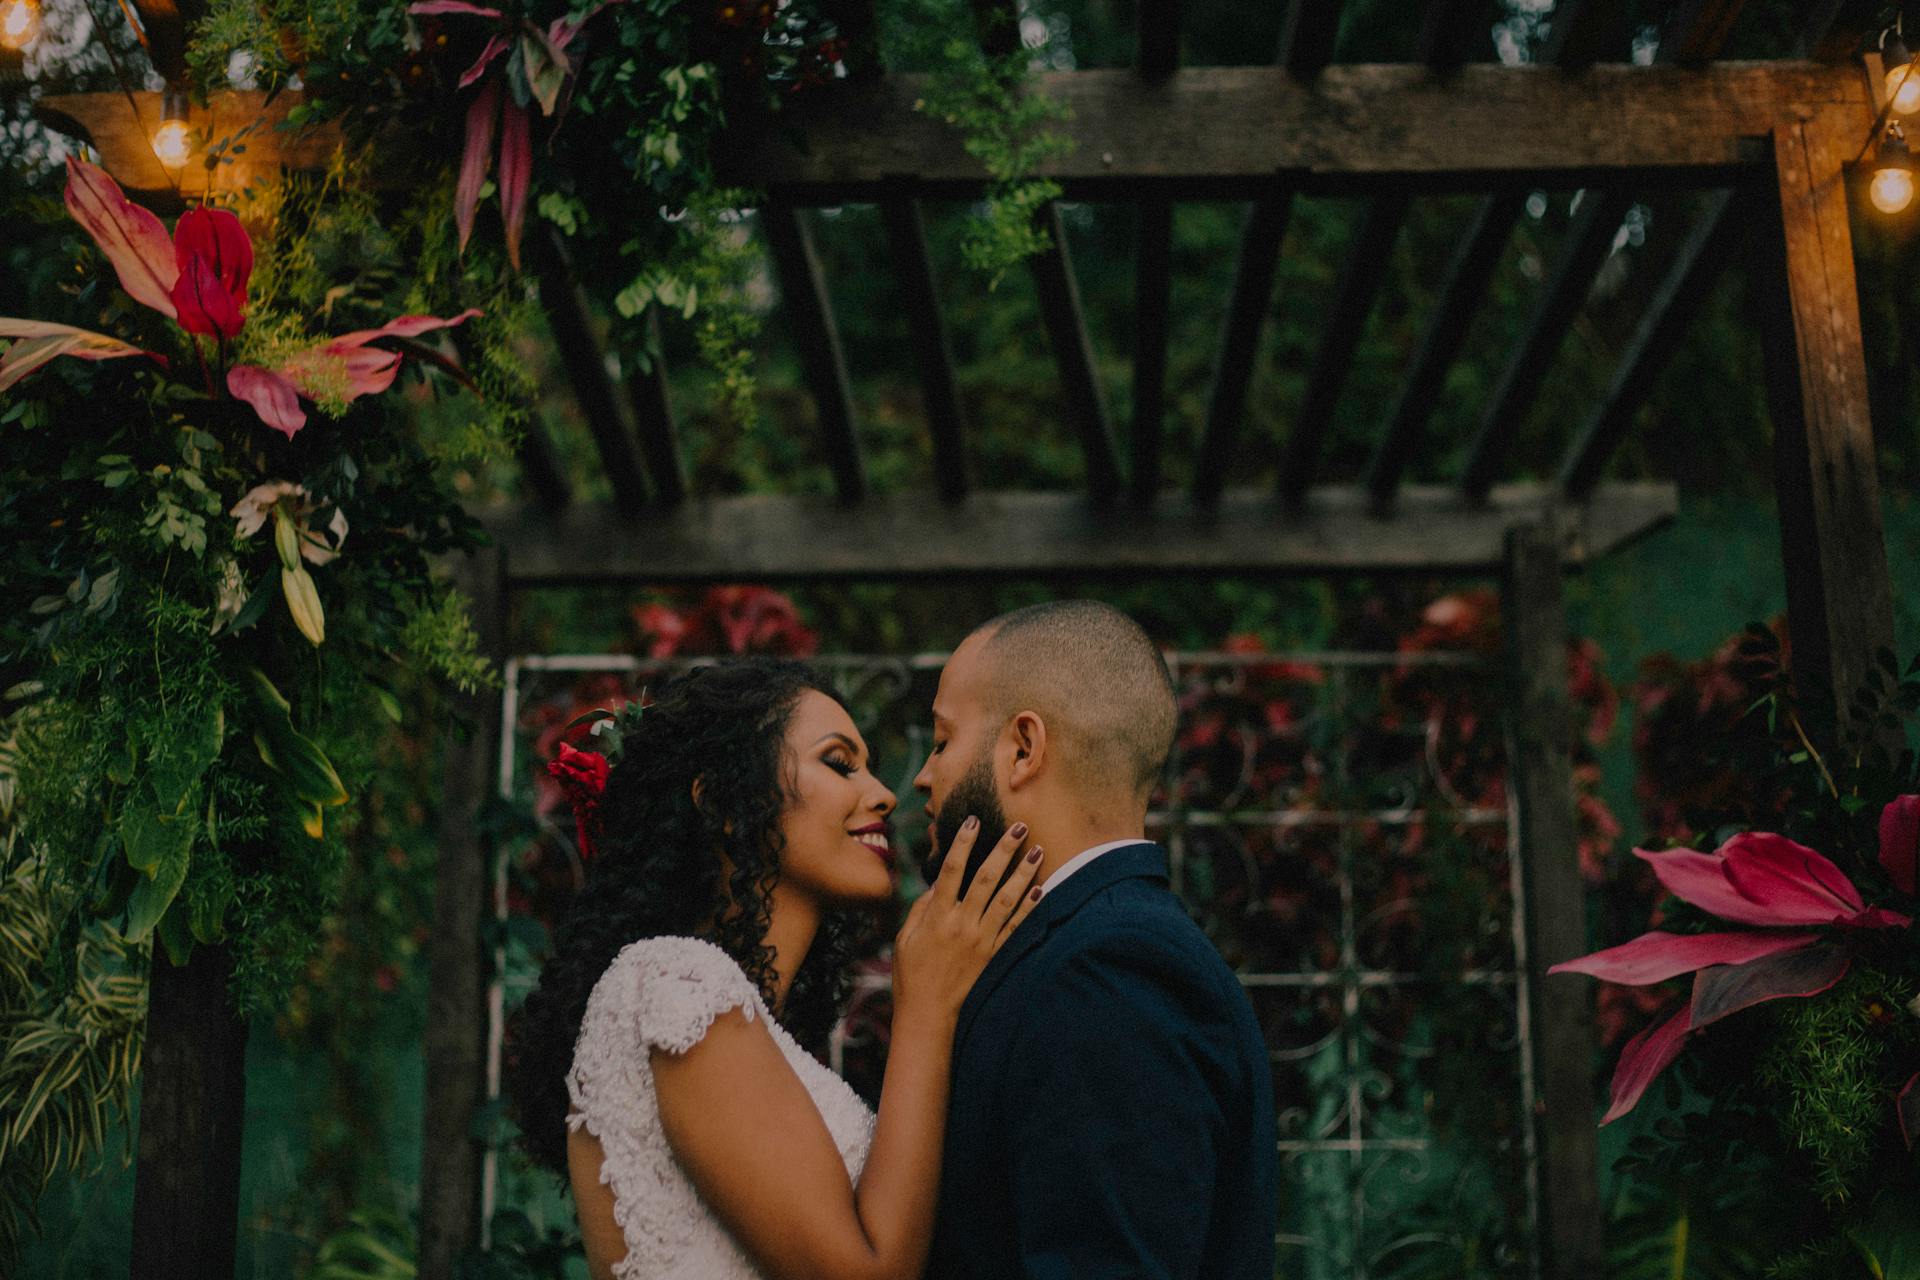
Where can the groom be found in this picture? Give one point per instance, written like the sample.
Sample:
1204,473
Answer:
1112,1109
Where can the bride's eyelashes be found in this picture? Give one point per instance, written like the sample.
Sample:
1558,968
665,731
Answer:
839,763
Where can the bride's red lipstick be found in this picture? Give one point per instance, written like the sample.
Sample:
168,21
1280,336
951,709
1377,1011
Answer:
885,855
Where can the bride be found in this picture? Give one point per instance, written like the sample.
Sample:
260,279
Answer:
661,1066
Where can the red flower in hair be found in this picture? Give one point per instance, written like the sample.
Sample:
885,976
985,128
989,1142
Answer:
582,776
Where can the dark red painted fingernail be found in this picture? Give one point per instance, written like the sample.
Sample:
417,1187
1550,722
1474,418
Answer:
1018,831
1035,895
1035,855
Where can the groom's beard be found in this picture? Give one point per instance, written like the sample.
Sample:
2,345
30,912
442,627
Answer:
972,797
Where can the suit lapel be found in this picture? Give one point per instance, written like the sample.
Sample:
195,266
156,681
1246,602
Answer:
1054,910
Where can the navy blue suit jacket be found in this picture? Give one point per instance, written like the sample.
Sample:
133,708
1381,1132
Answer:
1112,1105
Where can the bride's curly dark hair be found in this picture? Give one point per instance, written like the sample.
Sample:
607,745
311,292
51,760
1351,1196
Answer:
658,871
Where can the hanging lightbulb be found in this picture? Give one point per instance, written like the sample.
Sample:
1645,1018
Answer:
19,22
1892,189
173,140
1902,77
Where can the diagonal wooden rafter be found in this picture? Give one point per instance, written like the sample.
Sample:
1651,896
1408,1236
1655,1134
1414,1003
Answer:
998,25
1689,282
1360,280
593,387
1698,30
927,330
803,290
1159,55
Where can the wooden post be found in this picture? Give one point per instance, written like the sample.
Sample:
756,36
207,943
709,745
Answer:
1839,595
193,1081
458,961
1540,755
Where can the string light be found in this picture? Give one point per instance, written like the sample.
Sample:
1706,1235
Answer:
173,140
1892,189
1902,77
19,22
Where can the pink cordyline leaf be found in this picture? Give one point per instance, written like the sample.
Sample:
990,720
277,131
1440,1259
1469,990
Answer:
561,31
473,162
1644,1058
1900,842
35,342
1657,956
547,70
453,6
1907,1105
217,236
1790,880
272,396
400,327
133,239
516,164
201,305
1701,879
1877,918
496,46
1726,989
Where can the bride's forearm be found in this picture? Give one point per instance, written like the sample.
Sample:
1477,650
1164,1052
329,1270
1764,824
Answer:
900,1183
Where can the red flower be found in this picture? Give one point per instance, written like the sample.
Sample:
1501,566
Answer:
215,257
582,776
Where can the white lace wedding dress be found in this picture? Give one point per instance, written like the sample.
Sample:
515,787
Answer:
664,993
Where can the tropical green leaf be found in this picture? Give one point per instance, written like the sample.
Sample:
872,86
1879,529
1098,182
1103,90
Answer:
155,893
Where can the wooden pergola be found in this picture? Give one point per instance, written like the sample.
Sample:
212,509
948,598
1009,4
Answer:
1774,142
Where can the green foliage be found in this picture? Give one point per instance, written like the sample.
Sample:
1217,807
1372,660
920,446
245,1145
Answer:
440,640
1827,1063
1003,121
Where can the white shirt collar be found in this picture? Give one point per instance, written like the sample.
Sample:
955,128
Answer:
1081,859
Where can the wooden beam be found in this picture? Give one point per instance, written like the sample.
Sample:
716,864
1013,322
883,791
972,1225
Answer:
600,404
163,33
652,407
1588,242
1086,406
1308,35
1366,266
1839,596
803,290
1688,284
1266,227
1157,28
1467,279
1152,310
458,965
122,131
1015,534
193,1108
1214,132
1540,735
927,330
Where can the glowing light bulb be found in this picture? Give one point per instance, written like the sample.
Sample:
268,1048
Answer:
173,143
1903,86
1892,190
19,22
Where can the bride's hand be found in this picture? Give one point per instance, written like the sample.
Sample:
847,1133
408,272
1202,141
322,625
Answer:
947,939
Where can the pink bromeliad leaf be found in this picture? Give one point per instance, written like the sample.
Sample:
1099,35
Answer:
35,342
1701,879
1657,956
1727,989
561,31
516,166
453,6
475,159
272,396
201,305
1795,884
1641,1062
133,239
1900,841
217,236
496,46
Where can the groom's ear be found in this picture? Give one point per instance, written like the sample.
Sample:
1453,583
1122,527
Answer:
1029,734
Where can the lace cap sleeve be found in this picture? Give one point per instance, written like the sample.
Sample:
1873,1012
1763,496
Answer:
680,985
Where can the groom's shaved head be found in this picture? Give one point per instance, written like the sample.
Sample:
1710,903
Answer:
1094,677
